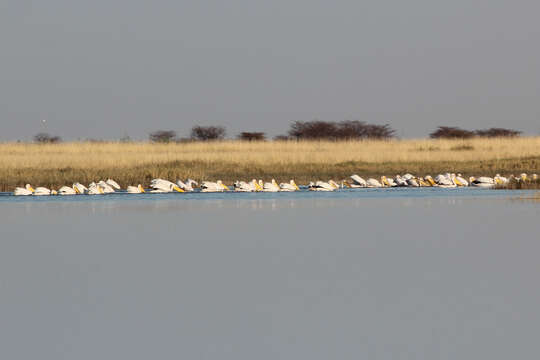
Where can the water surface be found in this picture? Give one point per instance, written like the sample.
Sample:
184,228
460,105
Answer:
378,274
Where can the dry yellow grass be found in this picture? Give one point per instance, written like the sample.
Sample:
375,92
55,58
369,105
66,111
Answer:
58,164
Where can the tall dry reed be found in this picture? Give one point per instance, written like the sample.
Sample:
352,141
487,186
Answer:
129,163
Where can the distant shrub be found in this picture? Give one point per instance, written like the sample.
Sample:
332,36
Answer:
44,138
205,133
497,132
448,132
162,136
282,138
344,130
252,136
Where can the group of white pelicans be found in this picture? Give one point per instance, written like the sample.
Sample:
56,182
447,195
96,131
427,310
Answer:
164,186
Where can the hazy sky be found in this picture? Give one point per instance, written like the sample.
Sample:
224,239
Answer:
105,69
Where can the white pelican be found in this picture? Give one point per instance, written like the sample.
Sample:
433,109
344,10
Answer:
388,181
66,190
113,184
400,181
188,185
41,191
357,182
413,182
135,189
208,186
371,183
106,187
500,180
290,186
323,186
534,177
243,186
408,176
161,186
482,181
80,188
423,183
94,189
430,180
271,186
27,190
458,180
445,181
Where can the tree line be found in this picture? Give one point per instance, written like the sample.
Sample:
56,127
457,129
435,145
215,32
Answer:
310,130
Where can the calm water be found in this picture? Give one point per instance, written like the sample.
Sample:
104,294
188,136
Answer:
368,274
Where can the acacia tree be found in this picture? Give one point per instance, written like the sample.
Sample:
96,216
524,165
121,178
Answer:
206,133
497,132
162,136
344,130
450,132
252,136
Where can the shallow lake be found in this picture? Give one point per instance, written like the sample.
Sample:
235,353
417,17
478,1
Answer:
365,274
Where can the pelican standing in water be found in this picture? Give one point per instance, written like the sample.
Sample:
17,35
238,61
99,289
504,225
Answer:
24,191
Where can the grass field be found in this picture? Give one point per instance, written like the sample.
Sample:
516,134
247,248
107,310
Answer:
54,165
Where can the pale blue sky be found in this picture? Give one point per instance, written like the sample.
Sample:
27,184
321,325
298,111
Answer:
105,69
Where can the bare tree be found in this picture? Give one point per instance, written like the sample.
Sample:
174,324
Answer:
252,136
162,136
205,133
44,138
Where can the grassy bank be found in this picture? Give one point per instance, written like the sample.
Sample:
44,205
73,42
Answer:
54,165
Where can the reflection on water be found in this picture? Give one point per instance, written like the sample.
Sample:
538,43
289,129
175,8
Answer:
403,275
